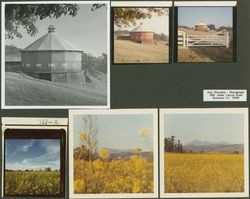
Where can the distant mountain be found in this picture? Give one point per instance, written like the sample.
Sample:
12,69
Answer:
12,53
199,143
126,154
198,146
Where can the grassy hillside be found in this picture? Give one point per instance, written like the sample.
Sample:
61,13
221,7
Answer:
126,51
21,89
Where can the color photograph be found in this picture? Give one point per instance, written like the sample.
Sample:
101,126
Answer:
32,167
55,55
204,152
141,35
113,153
205,34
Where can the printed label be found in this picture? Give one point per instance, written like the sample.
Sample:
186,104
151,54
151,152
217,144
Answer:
225,95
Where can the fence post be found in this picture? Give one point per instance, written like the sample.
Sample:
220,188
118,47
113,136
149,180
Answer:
184,39
227,39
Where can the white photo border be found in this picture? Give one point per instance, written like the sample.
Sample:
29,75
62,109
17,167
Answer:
3,104
244,112
153,112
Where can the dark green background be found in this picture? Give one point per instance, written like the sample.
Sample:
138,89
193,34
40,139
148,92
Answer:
175,85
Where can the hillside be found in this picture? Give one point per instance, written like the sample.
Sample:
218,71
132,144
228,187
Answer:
24,90
197,146
126,51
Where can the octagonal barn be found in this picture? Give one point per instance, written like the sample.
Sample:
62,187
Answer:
52,58
202,27
142,35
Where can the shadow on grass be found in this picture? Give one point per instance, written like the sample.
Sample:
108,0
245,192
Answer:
205,54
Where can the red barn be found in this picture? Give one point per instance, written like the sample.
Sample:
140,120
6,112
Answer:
202,27
142,35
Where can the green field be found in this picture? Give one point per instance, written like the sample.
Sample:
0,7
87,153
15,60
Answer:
32,183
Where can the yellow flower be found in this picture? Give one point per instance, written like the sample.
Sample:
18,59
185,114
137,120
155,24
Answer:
78,185
84,136
136,187
104,153
144,132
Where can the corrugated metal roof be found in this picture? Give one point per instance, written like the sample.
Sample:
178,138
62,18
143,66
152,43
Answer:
51,41
141,28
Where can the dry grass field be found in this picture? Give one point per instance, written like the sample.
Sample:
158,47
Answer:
205,54
21,89
189,173
126,51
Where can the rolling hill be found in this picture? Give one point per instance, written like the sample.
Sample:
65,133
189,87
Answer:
198,146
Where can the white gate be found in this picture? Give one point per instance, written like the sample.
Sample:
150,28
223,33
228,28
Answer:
217,39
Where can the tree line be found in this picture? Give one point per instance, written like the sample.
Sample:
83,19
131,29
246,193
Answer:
171,145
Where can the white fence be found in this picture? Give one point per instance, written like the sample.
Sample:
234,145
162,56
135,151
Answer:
217,39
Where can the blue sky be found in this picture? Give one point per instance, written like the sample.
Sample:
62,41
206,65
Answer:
87,30
205,127
119,131
219,16
34,154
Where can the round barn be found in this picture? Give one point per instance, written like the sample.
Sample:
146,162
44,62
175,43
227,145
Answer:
142,35
202,27
52,58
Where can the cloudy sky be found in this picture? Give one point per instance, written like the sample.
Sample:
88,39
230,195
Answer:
219,16
87,30
34,154
158,24
205,127
119,131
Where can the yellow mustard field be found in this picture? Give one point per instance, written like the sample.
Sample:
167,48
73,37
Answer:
32,183
187,173
115,176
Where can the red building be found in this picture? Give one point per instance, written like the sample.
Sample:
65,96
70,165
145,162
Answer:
142,35
202,27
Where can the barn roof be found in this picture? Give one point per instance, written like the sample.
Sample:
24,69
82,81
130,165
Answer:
201,24
141,28
51,41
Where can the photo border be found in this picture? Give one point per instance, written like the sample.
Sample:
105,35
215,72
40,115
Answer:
141,4
37,125
244,112
153,112
232,4
3,104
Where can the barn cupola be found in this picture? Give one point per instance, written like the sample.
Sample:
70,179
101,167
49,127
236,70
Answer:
51,28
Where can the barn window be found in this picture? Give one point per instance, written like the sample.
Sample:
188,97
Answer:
27,65
38,65
51,65
64,64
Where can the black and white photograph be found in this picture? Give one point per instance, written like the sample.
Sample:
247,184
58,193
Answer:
205,31
55,55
